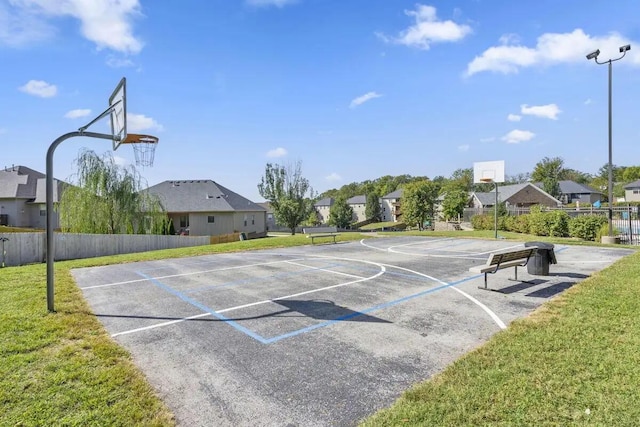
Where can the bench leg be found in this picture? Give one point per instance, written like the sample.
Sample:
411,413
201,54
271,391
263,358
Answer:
485,282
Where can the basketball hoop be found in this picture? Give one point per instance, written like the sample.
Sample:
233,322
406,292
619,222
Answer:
144,148
486,179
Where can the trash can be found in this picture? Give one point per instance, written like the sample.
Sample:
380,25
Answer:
243,236
539,263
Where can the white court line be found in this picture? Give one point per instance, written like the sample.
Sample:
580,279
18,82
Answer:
158,325
189,274
470,256
326,269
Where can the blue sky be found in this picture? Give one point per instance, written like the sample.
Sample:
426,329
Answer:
353,89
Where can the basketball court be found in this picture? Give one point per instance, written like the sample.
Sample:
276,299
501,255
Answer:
319,335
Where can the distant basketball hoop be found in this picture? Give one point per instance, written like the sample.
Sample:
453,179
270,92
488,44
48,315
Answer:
144,148
486,179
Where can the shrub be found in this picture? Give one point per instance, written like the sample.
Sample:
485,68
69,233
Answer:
482,222
522,224
558,223
586,227
539,221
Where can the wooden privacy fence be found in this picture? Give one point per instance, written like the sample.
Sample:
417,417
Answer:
29,248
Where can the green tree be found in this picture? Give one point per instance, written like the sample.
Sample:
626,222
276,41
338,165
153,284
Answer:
108,199
551,186
419,202
548,168
577,176
286,190
631,173
341,214
372,210
454,203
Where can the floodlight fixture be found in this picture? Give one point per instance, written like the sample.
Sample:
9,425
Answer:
594,54
625,48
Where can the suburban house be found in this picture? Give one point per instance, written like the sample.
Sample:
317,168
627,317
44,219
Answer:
391,206
516,195
572,192
359,205
271,218
323,209
632,191
206,208
23,198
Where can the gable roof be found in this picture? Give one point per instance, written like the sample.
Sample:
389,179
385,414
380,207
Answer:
572,187
394,194
506,192
631,185
19,182
201,195
327,201
357,200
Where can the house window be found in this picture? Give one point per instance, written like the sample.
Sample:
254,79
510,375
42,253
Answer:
184,221
245,220
636,191
253,219
43,212
211,219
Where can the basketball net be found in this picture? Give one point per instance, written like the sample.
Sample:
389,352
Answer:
144,148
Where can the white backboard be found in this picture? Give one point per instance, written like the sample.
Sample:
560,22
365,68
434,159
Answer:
488,172
118,102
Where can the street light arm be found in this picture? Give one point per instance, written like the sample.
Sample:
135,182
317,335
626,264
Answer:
623,49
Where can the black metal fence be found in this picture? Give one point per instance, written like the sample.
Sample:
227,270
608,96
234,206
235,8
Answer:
626,219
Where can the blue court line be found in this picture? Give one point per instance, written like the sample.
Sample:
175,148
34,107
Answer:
368,310
261,279
204,308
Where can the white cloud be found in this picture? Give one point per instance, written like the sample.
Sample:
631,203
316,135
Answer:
277,152
115,62
489,139
74,114
364,98
140,122
463,148
551,48
121,161
427,29
549,111
39,88
107,23
266,3
19,28
588,101
333,177
517,136
514,118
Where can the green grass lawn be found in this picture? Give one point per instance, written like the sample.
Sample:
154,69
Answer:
579,352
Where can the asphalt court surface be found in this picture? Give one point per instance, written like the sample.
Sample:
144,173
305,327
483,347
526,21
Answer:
320,335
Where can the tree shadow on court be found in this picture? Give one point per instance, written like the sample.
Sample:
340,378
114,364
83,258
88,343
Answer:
327,310
552,290
521,286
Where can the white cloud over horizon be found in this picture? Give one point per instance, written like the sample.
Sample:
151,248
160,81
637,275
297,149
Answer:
75,114
463,148
514,118
549,111
550,49
364,98
333,177
427,29
517,136
106,23
277,152
39,88
140,122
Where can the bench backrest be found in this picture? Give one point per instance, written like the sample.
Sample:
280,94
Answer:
312,230
499,258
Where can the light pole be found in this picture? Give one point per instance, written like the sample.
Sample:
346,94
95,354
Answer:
594,55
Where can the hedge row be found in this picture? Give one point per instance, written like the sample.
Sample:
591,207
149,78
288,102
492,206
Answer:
550,223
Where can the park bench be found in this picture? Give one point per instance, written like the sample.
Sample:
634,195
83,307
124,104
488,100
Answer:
319,232
505,259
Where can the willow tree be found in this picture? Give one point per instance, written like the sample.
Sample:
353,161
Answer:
109,199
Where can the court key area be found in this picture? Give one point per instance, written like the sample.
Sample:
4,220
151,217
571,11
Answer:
320,335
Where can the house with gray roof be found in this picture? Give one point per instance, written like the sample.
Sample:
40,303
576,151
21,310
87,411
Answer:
359,205
391,208
632,191
205,208
516,195
323,209
573,192
22,197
